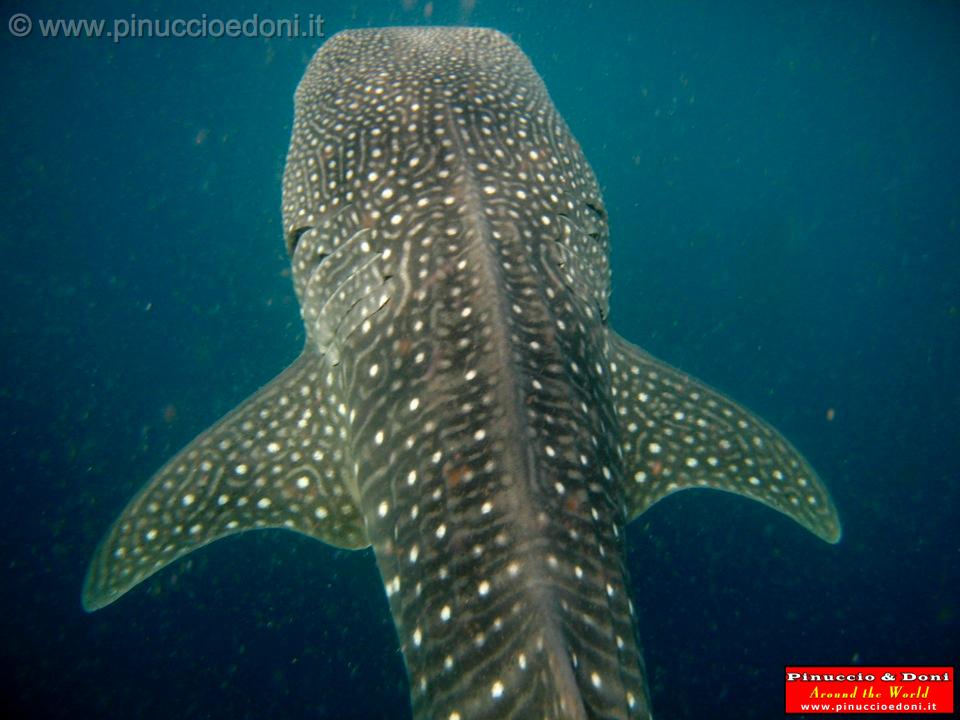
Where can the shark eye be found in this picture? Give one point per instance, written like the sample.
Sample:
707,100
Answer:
597,209
293,238
595,220
601,311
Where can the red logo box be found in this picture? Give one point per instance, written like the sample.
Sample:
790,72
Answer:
874,690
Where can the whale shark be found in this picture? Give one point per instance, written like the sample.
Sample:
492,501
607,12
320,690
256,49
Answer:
461,404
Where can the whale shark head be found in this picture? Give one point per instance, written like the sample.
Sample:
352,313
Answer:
461,404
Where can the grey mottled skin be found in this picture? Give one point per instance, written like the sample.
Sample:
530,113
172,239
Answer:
461,403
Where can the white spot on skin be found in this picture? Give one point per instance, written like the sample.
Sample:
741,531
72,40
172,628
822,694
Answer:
188,499
445,613
483,588
441,531
417,637
496,690
383,509
264,503
595,680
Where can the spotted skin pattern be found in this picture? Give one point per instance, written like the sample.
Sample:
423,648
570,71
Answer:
678,433
461,404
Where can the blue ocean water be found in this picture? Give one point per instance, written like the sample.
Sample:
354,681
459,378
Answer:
782,183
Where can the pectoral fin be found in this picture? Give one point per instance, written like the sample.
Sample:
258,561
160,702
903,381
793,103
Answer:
274,461
677,433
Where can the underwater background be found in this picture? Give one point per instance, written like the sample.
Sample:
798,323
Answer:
783,185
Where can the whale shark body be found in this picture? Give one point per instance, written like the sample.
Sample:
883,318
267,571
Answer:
461,404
